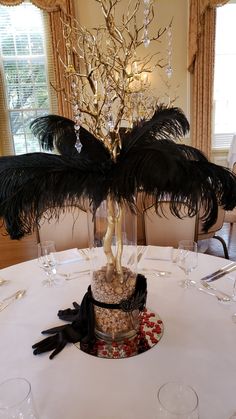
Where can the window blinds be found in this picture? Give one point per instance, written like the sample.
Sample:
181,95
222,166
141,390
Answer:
25,90
222,141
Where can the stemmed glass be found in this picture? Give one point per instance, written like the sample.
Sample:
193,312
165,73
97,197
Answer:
177,401
234,299
48,261
187,259
16,399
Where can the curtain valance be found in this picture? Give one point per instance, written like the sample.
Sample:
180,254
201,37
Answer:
198,9
48,5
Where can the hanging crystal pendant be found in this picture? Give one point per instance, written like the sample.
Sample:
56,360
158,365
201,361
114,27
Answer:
146,39
78,144
77,113
169,70
110,122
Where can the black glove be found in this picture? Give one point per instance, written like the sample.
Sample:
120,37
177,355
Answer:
61,336
82,327
70,314
80,330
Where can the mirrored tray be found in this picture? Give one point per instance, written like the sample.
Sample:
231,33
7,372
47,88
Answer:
150,332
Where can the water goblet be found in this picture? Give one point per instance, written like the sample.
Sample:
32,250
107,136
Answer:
234,299
187,259
47,260
16,400
177,401
232,277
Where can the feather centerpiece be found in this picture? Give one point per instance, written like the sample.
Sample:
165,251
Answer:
149,161
121,142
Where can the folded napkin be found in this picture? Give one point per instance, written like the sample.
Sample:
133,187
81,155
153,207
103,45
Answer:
158,253
68,256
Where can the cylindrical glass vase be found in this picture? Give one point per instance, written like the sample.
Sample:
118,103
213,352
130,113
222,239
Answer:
113,248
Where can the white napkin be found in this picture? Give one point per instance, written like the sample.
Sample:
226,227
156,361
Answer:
158,253
68,256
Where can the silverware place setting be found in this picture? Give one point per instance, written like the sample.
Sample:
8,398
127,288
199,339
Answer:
13,297
4,281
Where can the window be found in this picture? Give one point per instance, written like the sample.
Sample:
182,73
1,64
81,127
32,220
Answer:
225,76
24,72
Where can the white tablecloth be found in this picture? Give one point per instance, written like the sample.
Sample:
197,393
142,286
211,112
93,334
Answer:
198,347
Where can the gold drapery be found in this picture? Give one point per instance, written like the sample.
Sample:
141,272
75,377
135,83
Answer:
49,5
57,9
201,65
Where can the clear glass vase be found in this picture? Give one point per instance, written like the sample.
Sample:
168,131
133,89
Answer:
113,251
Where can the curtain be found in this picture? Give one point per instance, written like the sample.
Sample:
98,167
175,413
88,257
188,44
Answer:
49,5
201,51
6,146
58,10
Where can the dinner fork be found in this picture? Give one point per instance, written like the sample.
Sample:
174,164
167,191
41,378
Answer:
73,275
208,289
222,298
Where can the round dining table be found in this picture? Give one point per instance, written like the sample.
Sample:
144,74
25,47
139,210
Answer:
198,346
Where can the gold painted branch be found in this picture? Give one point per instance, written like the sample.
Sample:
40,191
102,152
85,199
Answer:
114,226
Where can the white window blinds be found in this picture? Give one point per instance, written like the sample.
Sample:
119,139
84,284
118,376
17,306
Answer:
222,141
25,90
224,77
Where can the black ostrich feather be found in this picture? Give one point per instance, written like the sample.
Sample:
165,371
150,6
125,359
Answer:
166,123
163,168
149,161
33,183
57,133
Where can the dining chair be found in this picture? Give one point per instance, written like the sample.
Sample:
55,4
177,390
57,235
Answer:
211,232
68,231
16,251
165,228
230,216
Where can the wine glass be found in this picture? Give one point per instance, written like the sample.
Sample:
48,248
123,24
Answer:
16,399
48,261
234,299
177,401
187,259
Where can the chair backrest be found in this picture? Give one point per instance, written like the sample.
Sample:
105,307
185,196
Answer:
69,231
16,251
230,216
165,229
202,235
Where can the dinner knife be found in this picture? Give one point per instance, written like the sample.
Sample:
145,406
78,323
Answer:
220,272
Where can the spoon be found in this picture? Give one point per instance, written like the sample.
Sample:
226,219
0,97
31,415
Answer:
3,281
8,300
